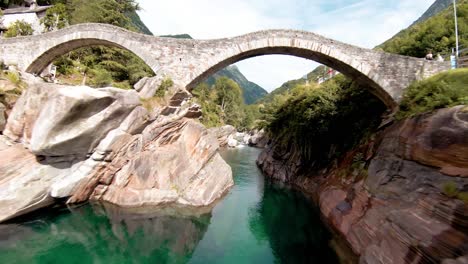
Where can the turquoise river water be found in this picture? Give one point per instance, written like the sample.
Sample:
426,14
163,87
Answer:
257,222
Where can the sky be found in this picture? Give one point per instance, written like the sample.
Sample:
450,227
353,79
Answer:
364,23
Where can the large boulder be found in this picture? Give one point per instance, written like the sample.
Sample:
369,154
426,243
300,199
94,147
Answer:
259,139
232,142
76,119
25,182
438,140
27,108
170,162
223,134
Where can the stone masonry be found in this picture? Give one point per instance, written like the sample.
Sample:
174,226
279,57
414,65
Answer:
188,62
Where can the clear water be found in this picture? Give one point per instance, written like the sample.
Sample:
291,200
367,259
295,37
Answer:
257,222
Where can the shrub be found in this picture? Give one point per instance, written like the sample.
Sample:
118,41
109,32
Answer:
64,65
463,196
163,87
450,189
19,28
102,78
446,89
331,119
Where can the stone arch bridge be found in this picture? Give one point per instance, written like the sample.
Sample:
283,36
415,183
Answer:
188,62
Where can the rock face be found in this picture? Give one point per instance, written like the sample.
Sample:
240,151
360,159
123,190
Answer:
167,163
223,134
101,144
25,181
2,117
76,119
258,139
396,211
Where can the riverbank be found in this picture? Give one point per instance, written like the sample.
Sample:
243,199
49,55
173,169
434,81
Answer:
397,198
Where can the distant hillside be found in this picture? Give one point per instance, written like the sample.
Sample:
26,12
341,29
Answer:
435,33
434,9
137,23
251,91
179,36
311,77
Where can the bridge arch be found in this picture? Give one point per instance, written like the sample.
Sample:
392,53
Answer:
46,58
40,50
354,70
385,75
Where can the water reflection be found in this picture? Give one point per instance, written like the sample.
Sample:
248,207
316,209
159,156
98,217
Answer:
288,221
101,233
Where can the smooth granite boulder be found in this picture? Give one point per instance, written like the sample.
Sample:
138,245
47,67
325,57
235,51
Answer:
76,119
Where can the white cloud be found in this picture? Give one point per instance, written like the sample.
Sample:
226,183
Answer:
365,23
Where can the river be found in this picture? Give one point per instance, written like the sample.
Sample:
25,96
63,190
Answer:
256,222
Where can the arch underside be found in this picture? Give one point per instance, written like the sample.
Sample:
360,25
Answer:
324,59
46,58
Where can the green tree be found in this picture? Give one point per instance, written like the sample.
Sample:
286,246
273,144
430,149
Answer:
229,98
111,12
56,18
19,28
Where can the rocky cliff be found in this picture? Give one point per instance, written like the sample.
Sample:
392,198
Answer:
102,144
400,198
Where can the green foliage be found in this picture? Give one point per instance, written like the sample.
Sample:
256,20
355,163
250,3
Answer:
436,33
121,64
164,87
102,77
446,89
111,12
326,121
15,79
223,103
56,17
124,67
450,189
19,28
320,71
251,92
463,196
7,3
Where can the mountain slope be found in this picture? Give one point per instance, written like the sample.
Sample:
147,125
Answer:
433,10
436,33
137,23
312,76
251,91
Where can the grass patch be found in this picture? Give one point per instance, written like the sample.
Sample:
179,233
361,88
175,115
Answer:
164,87
443,90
